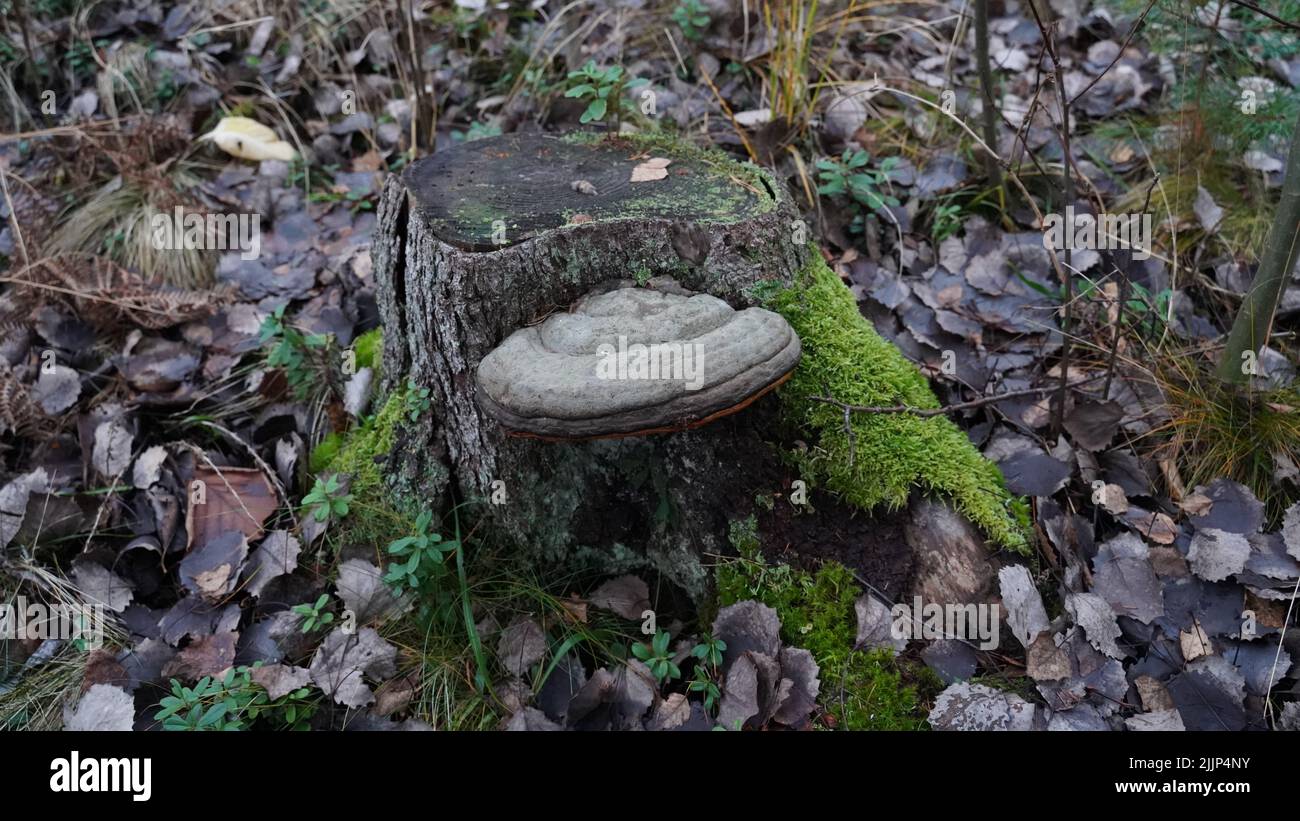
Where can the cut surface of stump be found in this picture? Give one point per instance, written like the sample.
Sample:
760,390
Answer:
633,361
477,246
533,184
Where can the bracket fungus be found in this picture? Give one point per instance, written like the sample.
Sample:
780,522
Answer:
629,361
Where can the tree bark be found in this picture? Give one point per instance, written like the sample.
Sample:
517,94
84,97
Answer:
988,112
483,239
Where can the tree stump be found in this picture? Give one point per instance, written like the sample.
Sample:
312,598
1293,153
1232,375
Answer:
481,240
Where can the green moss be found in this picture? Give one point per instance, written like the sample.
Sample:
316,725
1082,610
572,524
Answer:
725,169
325,453
860,690
369,351
369,348
378,516
891,453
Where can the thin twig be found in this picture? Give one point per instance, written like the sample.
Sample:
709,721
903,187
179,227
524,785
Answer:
726,109
946,409
1123,300
1118,54
1245,4
1048,33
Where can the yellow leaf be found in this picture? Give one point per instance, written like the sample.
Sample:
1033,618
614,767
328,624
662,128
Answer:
249,140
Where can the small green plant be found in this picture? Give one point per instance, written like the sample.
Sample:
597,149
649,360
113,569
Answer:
708,669
229,703
301,356
314,615
356,200
851,176
79,59
603,87
709,650
477,131
327,499
658,657
416,401
1145,313
1149,312
692,17
947,219
423,553
187,709
704,682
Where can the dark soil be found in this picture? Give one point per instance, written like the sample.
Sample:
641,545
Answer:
872,545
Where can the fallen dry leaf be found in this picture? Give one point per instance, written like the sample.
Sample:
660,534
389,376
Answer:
655,168
112,453
233,499
1197,504
103,708
628,596
363,591
209,656
280,680
342,662
1194,643
100,585
276,556
522,645
212,569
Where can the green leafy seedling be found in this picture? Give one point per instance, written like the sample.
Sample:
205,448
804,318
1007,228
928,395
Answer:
327,499
851,176
186,708
657,657
417,401
314,615
709,650
298,354
602,88
947,219
692,17
704,683
421,553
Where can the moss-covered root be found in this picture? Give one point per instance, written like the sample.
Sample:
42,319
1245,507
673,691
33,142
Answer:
893,452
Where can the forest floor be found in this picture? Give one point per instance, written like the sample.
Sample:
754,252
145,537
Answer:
174,415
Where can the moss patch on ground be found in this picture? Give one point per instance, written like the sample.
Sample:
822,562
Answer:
860,690
377,515
892,453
